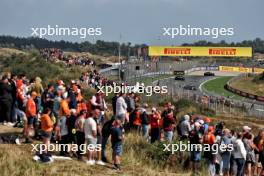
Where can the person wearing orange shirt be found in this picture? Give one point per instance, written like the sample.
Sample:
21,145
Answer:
137,121
63,131
46,127
209,139
31,113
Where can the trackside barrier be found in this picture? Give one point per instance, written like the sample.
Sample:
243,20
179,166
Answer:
242,93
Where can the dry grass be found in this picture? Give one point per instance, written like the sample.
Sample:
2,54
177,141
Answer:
6,52
17,159
247,84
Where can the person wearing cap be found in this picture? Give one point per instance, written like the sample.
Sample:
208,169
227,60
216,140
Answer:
246,130
240,154
154,125
31,113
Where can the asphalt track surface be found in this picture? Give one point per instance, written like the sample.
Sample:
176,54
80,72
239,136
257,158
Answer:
196,79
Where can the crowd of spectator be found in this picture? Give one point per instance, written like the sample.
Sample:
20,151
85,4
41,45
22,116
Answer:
58,112
55,55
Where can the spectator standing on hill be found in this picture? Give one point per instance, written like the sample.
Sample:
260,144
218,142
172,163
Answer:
209,138
64,114
117,138
155,125
90,130
121,108
251,158
80,136
46,127
240,154
196,138
144,121
168,125
31,113
130,101
13,93
226,155
99,125
5,100
106,132
185,127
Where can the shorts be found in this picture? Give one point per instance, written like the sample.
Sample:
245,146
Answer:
31,120
91,141
46,134
195,156
121,117
226,161
117,150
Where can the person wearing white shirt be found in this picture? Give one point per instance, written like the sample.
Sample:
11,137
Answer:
90,133
121,108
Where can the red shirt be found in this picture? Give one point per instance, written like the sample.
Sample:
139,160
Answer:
168,122
154,120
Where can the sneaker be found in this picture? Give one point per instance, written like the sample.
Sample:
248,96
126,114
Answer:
10,124
90,162
100,163
116,167
36,158
17,141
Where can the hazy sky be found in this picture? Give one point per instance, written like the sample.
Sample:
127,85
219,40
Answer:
138,21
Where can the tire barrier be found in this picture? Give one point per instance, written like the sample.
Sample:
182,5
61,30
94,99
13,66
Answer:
242,93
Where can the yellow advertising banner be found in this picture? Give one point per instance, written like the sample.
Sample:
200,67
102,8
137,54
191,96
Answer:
200,51
258,70
235,69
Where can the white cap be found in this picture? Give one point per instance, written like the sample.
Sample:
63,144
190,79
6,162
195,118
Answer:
201,121
73,111
154,109
65,95
246,128
186,117
197,124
